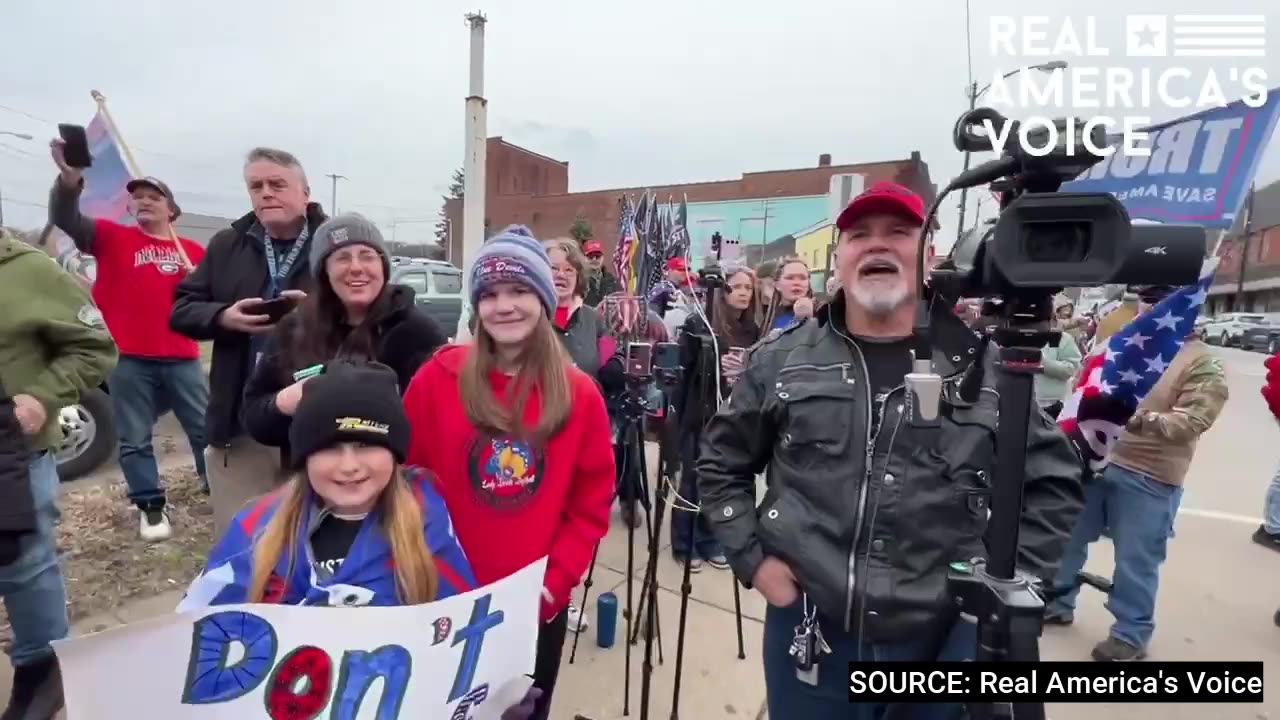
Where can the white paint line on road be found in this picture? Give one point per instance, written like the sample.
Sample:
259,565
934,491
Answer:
1215,515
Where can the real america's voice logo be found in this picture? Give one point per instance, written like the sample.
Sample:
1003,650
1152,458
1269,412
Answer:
1117,85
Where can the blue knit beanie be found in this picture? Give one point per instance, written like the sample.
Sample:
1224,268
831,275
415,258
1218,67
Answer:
514,255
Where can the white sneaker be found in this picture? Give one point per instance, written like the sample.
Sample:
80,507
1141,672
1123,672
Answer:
574,616
154,526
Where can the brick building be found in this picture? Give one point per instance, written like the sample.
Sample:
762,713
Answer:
525,187
1261,287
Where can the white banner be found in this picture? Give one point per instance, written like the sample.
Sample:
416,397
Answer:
463,658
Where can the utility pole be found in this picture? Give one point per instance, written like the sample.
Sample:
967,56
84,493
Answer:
333,196
1244,250
1,209
473,167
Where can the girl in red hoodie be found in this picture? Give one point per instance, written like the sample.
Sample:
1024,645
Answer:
518,438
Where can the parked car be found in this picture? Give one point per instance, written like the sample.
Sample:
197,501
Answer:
1264,338
437,288
1228,328
88,434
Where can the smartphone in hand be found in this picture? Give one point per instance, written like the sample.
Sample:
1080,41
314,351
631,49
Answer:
76,146
274,309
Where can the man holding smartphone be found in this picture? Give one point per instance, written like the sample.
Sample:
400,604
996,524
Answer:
139,266
252,272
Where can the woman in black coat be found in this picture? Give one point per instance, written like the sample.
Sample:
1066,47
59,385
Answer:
734,319
353,314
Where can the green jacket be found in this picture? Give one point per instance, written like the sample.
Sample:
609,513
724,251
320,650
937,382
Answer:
53,341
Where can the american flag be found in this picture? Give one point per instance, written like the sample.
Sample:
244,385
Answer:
1117,376
626,244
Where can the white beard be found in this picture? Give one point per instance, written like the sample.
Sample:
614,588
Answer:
880,300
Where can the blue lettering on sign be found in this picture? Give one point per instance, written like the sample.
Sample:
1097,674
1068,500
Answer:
209,678
482,621
470,700
392,663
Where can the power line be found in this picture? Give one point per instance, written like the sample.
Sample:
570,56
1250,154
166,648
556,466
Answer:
27,115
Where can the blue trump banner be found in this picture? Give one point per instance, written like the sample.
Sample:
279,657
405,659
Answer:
1199,168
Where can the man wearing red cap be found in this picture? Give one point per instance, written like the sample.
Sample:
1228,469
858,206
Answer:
600,282
852,544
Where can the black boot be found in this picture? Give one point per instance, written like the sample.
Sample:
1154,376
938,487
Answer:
37,691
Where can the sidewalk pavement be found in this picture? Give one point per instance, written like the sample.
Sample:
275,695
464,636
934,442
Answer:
1204,613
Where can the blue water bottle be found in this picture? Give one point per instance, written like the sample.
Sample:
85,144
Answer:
606,619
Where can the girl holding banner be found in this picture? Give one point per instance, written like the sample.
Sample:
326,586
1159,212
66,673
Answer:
518,437
352,528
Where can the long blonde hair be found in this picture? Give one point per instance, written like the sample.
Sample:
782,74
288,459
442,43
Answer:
543,365
401,522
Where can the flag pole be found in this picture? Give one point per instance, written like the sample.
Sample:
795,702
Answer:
132,166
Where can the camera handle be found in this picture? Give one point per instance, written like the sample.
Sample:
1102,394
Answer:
1006,602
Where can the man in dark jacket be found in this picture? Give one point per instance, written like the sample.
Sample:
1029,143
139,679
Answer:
262,256
864,514
600,282
54,345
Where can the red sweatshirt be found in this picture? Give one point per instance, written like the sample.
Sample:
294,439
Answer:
511,503
136,277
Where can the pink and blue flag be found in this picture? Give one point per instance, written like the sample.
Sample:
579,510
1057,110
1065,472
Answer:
104,183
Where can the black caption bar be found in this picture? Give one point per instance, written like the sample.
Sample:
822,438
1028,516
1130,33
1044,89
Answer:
1062,682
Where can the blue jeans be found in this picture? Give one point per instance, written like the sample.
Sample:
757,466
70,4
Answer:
141,390
1138,510
791,699
34,594
1271,510
685,522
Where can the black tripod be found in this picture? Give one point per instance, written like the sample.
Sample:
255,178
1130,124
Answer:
707,370
633,486
1007,603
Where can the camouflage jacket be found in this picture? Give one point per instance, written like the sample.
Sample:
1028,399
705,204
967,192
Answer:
1160,440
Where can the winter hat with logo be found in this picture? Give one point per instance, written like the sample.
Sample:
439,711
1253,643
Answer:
514,255
349,402
343,230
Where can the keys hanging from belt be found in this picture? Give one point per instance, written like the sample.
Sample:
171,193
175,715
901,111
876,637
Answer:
808,647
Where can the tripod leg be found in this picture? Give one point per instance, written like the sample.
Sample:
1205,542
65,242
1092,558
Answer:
686,588
737,616
631,561
586,588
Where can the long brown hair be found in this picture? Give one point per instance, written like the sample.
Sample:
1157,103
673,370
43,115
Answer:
319,331
401,522
543,365
775,303
729,319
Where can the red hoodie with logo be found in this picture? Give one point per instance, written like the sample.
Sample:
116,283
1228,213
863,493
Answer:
513,502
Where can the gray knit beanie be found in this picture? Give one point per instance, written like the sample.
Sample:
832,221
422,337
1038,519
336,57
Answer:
514,255
343,230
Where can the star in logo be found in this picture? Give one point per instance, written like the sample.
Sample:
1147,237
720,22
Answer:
1137,339
1157,365
1168,321
1129,376
1147,35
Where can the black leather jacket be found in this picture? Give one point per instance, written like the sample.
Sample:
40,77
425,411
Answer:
869,523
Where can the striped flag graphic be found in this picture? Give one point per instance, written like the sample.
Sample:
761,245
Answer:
1219,35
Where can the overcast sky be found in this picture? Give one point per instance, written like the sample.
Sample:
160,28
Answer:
629,94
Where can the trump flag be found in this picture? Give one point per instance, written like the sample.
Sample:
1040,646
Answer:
1119,374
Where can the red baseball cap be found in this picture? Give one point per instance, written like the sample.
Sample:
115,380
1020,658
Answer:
883,197
592,247
677,263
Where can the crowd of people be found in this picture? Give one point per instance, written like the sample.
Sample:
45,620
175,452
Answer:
347,442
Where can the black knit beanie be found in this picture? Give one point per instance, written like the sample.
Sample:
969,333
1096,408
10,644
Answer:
349,402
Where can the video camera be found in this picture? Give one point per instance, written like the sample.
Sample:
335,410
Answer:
1045,240
645,361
